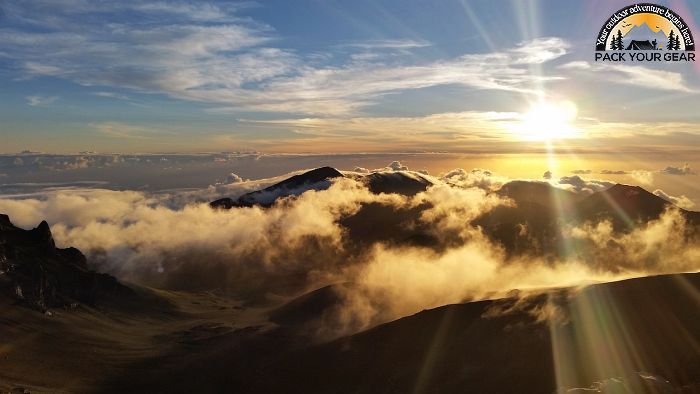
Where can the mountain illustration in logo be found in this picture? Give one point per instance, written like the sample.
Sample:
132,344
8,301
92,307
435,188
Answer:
644,38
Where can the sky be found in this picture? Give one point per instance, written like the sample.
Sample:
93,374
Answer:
458,76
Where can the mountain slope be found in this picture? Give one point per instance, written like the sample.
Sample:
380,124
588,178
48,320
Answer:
505,347
635,337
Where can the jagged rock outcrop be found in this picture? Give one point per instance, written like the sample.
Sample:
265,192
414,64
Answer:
37,273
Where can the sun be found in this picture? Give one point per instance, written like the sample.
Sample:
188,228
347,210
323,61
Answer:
548,121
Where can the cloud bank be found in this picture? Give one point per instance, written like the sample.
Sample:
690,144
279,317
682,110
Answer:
304,243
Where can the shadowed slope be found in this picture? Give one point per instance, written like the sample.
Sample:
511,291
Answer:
641,332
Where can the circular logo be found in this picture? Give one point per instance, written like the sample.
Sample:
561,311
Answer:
645,27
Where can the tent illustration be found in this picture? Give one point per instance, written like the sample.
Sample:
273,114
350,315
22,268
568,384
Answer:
641,45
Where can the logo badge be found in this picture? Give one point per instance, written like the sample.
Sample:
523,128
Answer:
645,32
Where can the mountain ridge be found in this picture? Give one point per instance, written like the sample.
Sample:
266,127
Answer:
644,32
38,274
396,182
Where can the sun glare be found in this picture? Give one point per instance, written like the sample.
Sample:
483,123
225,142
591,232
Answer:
547,121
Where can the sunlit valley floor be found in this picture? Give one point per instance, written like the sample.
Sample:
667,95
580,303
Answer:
371,280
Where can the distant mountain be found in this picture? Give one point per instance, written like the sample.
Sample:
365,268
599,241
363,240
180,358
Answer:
533,224
644,33
404,183
538,192
320,179
625,205
37,273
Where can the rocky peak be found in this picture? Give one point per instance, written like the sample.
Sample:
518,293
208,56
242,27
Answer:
40,275
43,237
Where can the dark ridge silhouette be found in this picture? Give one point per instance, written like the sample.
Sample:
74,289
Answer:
38,274
311,307
375,222
534,224
538,192
527,228
407,184
531,224
627,206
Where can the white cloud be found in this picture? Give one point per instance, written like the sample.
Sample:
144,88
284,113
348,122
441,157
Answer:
34,68
650,78
390,44
361,170
473,124
112,95
680,201
579,185
477,177
640,76
200,12
128,131
577,65
671,170
204,52
397,166
614,172
233,178
37,100
642,176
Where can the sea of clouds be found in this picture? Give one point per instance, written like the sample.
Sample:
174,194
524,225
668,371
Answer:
262,255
